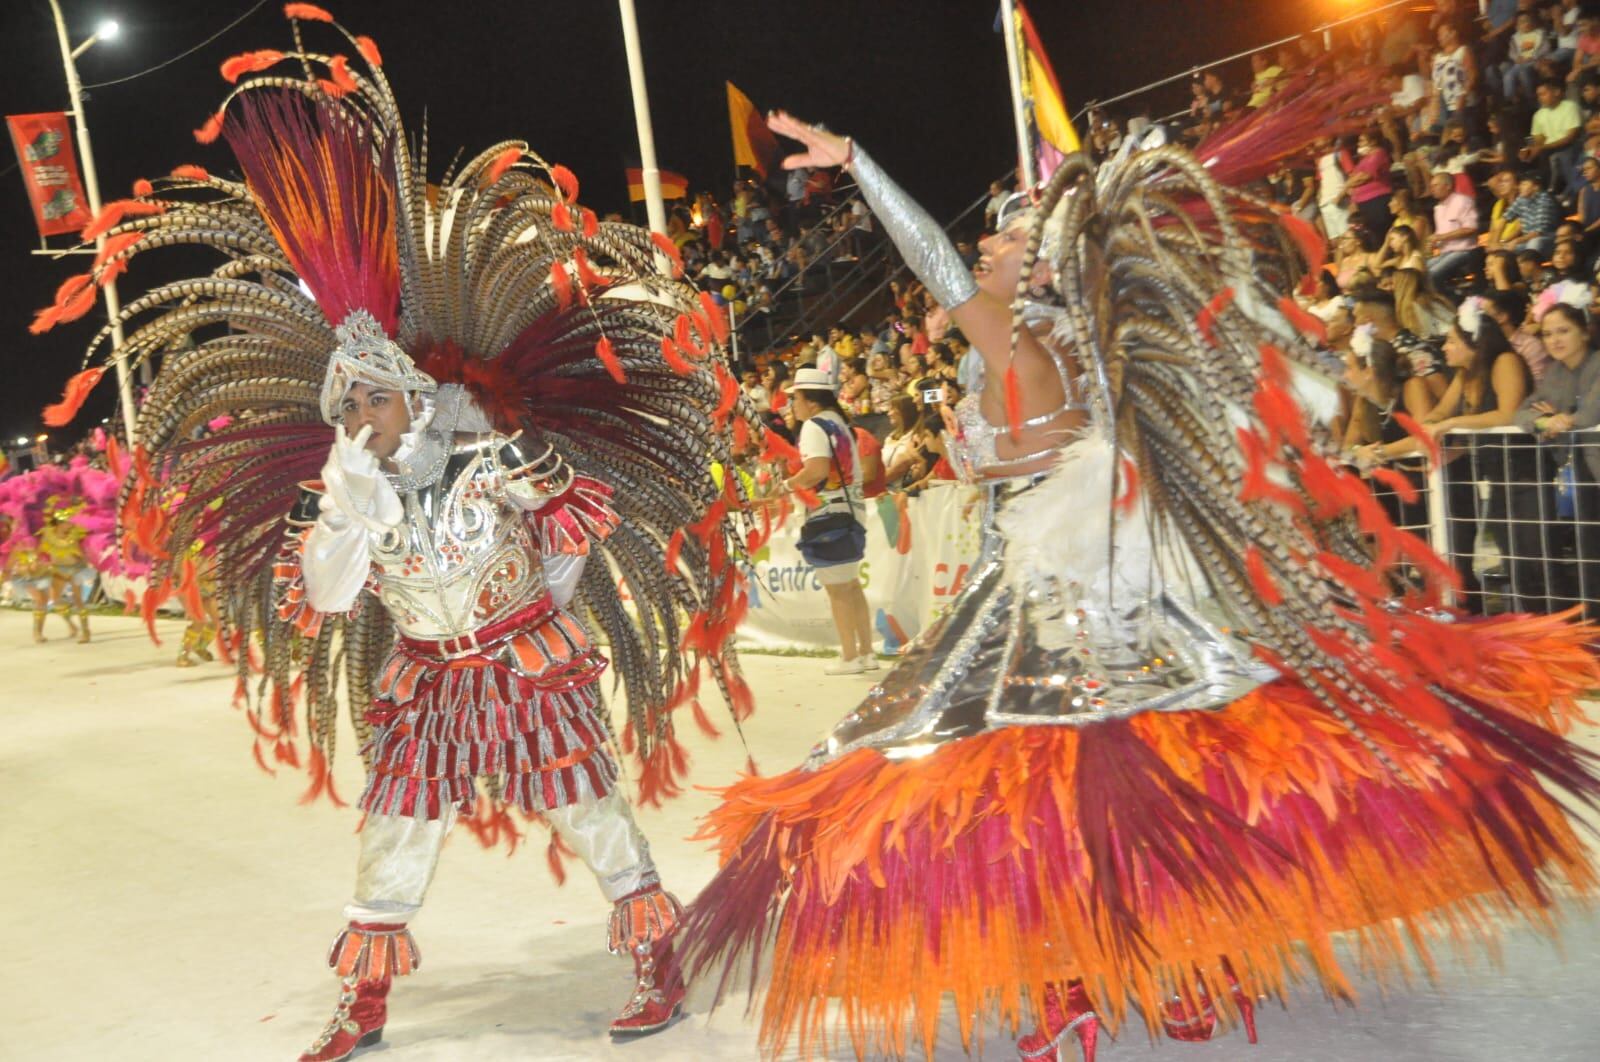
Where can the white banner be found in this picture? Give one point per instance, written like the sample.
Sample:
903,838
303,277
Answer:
908,578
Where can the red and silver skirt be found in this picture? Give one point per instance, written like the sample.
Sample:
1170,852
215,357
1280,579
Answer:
514,702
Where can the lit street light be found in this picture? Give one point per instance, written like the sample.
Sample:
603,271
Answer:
107,30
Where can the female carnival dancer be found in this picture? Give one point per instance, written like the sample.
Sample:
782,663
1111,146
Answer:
514,414
1176,732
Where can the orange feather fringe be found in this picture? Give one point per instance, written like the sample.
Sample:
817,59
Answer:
608,358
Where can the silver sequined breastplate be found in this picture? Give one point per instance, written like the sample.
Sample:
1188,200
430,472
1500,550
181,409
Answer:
463,557
972,439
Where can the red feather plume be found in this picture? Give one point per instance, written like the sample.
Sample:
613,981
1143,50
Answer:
208,133
235,67
76,394
565,181
608,358
190,172
369,51
306,12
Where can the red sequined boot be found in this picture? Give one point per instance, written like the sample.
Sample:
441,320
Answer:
366,956
643,924
358,1021
1197,1023
1078,1017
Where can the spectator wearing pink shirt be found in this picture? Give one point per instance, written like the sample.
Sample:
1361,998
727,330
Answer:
1455,231
1368,184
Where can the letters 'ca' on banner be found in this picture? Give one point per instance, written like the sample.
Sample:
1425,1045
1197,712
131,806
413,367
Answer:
50,170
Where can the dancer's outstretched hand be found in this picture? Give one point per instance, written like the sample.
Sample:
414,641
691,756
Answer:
822,147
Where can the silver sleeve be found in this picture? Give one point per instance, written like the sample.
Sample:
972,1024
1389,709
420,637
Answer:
920,239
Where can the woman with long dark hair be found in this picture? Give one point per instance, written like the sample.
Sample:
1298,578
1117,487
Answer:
1489,380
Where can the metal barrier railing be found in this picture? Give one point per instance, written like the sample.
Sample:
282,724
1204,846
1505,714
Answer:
1517,515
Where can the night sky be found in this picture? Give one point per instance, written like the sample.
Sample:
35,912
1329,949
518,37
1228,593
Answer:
922,82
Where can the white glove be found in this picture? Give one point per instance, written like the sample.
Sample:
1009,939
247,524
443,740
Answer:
358,501
357,489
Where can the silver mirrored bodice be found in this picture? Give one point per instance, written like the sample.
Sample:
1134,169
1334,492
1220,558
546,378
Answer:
465,554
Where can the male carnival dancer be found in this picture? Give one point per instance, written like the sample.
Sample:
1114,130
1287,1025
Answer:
475,549
523,411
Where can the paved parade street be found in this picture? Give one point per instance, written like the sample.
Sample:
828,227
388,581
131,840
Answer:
165,899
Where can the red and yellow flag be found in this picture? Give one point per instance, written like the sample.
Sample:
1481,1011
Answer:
753,143
1051,124
673,185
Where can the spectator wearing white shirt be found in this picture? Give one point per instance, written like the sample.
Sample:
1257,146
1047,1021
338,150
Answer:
1455,231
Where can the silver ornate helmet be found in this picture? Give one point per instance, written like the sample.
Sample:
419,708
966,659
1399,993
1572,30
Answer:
366,355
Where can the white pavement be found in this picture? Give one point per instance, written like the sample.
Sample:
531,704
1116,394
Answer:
161,898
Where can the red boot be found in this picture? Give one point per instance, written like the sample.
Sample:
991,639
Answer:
643,924
366,956
1193,1025
358,1021
1078,1016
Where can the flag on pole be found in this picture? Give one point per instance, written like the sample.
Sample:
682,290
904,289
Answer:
673,185
753,143
1048,119
50,170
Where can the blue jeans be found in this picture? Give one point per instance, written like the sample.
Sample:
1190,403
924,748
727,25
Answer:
1445,267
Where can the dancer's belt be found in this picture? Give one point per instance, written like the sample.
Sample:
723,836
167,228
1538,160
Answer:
486,637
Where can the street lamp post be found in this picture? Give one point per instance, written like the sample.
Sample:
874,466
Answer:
91,183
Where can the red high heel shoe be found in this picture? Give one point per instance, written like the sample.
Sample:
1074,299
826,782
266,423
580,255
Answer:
1078,1017
1195,1027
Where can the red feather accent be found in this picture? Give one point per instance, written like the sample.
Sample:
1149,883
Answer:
142,188
1013,402
586,272
665,245
1260,578
112,213
1414,430
680,332
674,549
674,360
190,172
77,392
608,358
702,721
561,217
741,430
1312,248
339,67
552,858
562,282
1397,482
777,448
74,298
208,133
369,51
1308,323
332,88
309,12
502,162
115,245
715,318
566,181
1206,319
1130,488
730,395
591,224
248,63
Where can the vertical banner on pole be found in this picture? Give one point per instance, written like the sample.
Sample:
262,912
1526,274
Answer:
50,170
